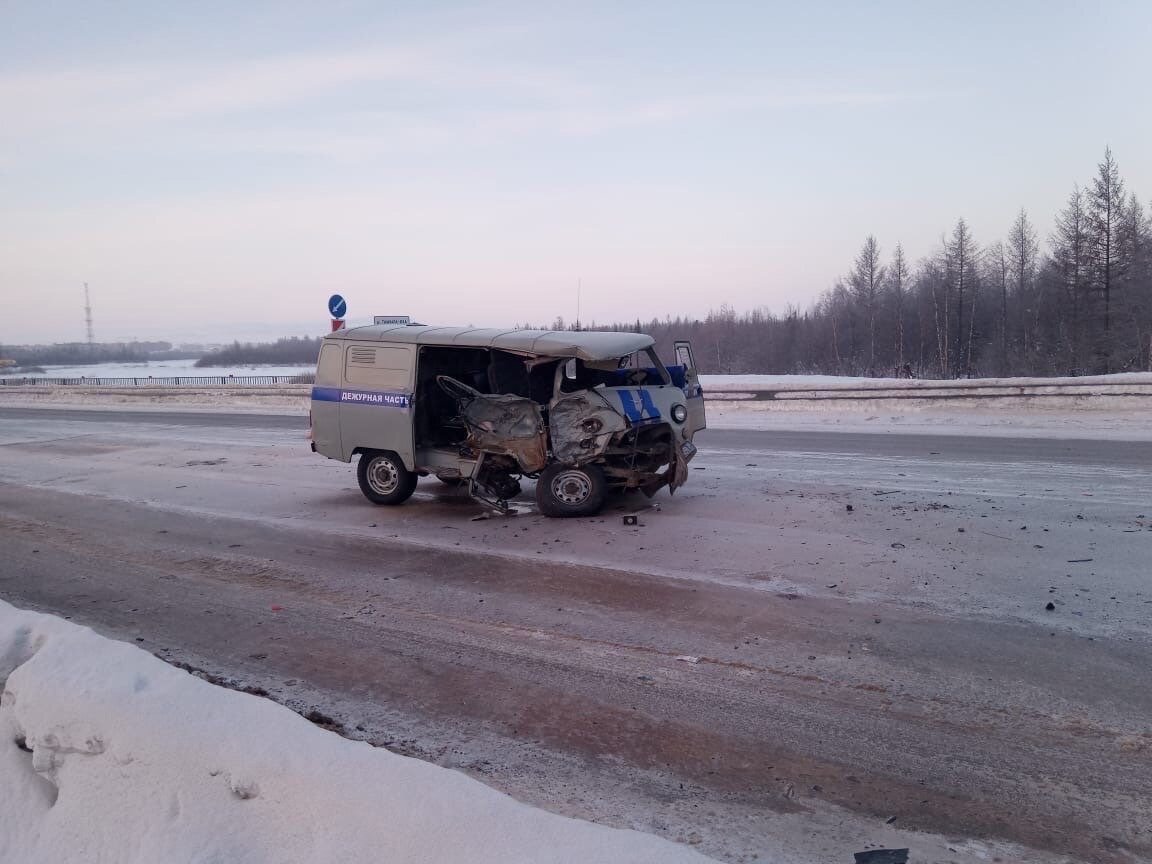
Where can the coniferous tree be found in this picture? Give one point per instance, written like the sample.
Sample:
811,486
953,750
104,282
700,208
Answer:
1106,206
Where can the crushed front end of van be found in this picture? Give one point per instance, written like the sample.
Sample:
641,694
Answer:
581,413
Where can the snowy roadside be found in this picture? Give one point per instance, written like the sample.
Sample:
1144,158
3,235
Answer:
1094,417
109,754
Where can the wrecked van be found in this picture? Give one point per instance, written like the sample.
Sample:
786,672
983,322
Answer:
581,413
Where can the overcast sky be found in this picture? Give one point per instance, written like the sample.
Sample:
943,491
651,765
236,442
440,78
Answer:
217,169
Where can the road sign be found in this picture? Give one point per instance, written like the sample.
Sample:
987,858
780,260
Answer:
337,306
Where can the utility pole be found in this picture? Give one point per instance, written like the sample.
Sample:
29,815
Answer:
88,315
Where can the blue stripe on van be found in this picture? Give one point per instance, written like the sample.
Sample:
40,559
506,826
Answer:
378,398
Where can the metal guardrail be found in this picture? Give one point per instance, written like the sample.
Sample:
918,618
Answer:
152,381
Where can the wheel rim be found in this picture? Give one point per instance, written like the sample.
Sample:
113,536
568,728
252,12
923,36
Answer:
571,487
383,476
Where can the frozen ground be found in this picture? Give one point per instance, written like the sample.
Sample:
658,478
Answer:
108,754
755,668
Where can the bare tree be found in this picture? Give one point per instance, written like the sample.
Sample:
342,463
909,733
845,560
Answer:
998,267
1106,208
1071,260
866,280
1023,254
898,288
961,256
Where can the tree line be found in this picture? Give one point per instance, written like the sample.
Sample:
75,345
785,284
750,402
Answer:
288,351
1079,302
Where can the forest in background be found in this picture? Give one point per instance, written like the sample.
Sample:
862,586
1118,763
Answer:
1077,302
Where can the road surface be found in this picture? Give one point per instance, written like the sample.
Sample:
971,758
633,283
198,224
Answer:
820,632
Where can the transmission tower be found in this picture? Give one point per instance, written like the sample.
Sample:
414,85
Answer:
88,315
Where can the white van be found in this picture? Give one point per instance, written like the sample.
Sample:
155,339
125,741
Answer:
579,412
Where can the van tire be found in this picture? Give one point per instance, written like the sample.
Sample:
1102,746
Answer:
562,490
383,477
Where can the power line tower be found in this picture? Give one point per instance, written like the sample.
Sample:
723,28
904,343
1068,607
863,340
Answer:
88,315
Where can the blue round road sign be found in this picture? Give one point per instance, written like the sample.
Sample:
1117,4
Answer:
337,306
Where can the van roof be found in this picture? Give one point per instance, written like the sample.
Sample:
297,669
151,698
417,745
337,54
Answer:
588,345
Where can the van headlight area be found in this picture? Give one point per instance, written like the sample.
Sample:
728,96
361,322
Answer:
679,413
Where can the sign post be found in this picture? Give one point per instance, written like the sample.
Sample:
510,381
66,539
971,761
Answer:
337,308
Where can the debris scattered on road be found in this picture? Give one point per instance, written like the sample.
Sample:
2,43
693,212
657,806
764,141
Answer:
897,545
889,820
882,856
890,492
1050,606
630,519
849,507
833,585
688,658
1079,560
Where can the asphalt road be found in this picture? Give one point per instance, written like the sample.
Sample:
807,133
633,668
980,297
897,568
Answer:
822,631
1120,454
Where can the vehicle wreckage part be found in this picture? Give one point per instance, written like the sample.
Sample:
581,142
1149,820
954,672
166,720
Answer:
492,483
383,478
563,490
500,424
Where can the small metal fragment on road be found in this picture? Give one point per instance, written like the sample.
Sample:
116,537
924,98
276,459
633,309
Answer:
1079,560
688,658
890,492
882,856
897,545
889,820
630,519
1050,606
848,507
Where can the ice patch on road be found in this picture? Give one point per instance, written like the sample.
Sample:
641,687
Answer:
109,754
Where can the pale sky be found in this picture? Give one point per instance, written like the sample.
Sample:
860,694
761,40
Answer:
217,169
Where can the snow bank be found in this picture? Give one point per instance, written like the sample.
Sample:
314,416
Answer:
722,383
107,754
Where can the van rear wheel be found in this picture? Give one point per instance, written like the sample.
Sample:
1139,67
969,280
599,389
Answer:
383,477
565,491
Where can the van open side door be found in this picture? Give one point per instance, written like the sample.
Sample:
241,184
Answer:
693,392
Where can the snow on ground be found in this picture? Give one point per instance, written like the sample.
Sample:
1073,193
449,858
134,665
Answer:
1110,421
844,382
108,754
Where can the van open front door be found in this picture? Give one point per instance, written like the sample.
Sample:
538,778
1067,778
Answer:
693,392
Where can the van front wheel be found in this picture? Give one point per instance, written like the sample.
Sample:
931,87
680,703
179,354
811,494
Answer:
384,479
565,491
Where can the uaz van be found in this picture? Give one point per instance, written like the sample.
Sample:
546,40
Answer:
578,412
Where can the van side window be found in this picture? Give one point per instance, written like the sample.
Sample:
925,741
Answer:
328,366
379,366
